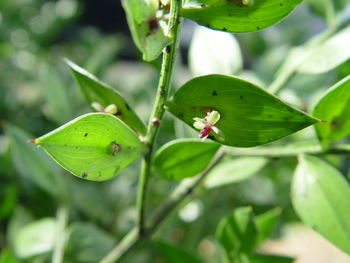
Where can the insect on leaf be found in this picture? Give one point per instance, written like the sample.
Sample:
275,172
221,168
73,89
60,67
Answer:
95,146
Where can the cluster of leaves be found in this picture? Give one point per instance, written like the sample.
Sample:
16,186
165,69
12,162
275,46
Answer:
97,146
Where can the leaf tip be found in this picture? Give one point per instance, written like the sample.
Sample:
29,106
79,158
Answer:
33,141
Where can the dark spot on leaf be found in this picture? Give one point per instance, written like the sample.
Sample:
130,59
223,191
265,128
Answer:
224,29
257,28
281,4
241,97
181,115
214,93
335,124
86,134
167,49
84,175
127,106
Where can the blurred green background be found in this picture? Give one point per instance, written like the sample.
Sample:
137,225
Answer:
38,94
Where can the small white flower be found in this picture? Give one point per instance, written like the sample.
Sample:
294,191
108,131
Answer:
207,124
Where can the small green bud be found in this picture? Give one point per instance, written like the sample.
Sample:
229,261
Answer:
112,109
97,106
248,2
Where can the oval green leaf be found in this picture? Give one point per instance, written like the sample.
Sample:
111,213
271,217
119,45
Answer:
237,232
334,107
238,15
250,116
234,171
321,197
326,55
94,146
148,32
224,57
195,155
35,238
97,91
174,254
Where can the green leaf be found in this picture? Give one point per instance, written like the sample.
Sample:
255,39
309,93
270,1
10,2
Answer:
94,146
148,31
259,258
56,92
334,107
173,254
88,243
249,115
321,197
236,16
35,238
234,171
224,56
266,223
32,164
7,257
97,91
237,233
326,55
193,154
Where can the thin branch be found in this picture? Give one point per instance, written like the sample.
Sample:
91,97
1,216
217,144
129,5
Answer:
183,191
289,151
60,240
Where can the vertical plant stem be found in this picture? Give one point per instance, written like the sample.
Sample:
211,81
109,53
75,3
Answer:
181,193
62,219
158,111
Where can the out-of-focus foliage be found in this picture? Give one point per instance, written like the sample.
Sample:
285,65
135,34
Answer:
38,93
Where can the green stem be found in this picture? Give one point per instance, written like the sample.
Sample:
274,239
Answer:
62,219
282,152
181,192
289,68
158,111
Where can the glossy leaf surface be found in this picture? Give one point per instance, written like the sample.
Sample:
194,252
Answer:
224,57
250,116
321,197
97,91
184,158
173,254
234,171
237,232
148,33
334,107
236,16
94,146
